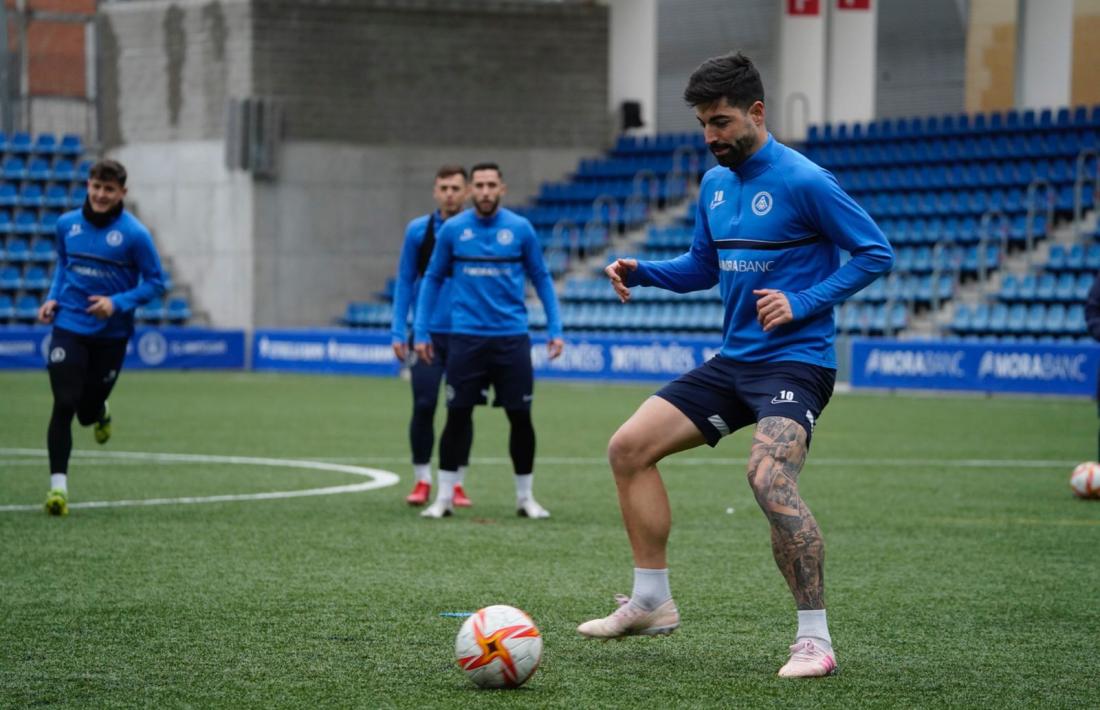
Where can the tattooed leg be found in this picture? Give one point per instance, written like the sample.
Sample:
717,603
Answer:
778,452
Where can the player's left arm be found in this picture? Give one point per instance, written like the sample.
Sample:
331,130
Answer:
838,218
149,287
544,287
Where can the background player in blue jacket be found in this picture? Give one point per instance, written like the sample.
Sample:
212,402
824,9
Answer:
490,252
769,228
106,267
449,192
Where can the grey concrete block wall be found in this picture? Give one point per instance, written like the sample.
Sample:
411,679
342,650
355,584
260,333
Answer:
435,72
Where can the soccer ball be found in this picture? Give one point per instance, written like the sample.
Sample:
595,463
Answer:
498,647
1085,480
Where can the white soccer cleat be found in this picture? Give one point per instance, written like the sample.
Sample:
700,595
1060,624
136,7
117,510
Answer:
438,509
530,508
629,620
808,661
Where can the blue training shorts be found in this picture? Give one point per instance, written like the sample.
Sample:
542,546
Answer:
503,361
722,395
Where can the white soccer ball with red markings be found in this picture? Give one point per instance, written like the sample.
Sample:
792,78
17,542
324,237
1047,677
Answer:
498,647
1085,480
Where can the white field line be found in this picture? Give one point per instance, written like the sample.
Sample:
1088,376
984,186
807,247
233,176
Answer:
719,461
378,478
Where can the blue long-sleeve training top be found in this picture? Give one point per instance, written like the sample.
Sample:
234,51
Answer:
489,261
118,260
407,283
776,221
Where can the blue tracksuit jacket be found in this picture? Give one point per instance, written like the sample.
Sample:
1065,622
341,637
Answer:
776,221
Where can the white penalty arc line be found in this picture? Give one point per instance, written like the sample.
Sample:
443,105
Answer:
378,477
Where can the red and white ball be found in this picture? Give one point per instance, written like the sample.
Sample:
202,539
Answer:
498,647
1085,480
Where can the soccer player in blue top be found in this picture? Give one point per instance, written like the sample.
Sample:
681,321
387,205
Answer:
490,252
106,267
769,228
449,192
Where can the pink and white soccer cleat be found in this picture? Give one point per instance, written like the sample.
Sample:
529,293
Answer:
630,620
808,661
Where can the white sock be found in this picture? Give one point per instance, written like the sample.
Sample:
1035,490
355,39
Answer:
524,482
423,472
447,481
461,475
650,588
812,624
59,481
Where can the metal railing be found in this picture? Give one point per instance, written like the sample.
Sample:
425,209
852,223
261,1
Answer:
1051,197
1080,178
639,185
691,174
983,240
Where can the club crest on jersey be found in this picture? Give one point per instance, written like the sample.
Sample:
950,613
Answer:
57,354
467,235
505,237
75,230
718,199
762,203
114,238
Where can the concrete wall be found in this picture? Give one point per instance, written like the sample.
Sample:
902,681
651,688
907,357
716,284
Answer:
330,229
376,95
921,58
202,219
435,72
167,68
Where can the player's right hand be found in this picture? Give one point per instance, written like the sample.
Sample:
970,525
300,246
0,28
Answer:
47,311
616,272
424,352
400,350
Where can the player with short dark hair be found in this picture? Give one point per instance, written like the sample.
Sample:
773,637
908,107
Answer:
490,253
449,191
107,266
769,228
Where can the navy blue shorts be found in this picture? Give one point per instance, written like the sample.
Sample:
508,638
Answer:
722,395
475,362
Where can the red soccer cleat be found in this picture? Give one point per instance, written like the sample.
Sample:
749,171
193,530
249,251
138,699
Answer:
420,494
460,500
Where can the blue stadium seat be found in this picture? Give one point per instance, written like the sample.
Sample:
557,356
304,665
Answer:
979,321
9,195
76,196
26,222
39,169
43,251
7,307
13,169
26,308
1044,288
1081,290
56,196
21,144
64,171
71,145
46,144
18,250
31,195
178,311
1065,288
7,226
1055,323
11,279
153,311
36,279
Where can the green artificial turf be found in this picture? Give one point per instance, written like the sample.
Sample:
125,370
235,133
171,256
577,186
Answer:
961,572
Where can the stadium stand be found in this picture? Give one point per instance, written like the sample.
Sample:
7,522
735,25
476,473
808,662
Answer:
41,177
957,195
